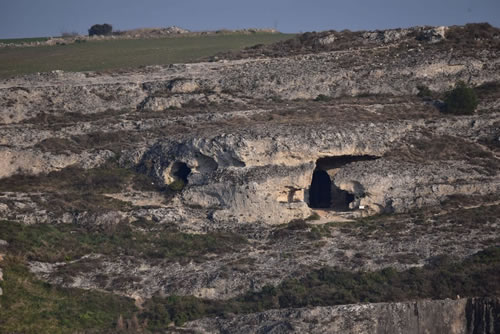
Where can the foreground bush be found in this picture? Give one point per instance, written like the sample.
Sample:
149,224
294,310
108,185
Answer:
461,100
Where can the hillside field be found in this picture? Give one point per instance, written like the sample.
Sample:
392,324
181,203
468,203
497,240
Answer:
125,53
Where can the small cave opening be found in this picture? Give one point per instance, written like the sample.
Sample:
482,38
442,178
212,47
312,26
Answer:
180,171
320,192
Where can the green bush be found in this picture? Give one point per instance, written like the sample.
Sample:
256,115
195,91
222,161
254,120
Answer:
323,98
297,224
101,29
424,91
461,100
314,216
177,185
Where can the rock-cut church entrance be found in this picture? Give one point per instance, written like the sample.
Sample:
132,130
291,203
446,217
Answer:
323,193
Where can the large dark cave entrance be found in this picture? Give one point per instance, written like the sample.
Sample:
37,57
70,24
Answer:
320,190
323,193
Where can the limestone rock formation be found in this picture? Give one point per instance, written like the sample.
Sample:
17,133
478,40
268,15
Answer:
438,316
261,168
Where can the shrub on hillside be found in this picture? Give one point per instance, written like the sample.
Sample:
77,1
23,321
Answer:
471,32
101,29
461,100
323,98
177,185
423,91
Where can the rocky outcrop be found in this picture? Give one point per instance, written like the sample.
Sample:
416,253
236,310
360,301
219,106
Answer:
462,316
264,173
247,178
433,35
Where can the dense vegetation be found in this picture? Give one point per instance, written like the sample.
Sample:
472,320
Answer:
65,242
29,305
108,178
461,100
101,30
424,91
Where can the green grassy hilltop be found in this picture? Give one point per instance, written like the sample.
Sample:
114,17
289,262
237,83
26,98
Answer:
125,53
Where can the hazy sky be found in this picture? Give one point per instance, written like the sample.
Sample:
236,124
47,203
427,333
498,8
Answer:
30,18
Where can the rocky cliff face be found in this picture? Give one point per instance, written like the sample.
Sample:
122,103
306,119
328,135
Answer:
236,174
471,316
311,160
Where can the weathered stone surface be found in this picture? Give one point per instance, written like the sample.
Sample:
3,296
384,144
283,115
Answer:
419,317
245,175
327,39
249,138
31,161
